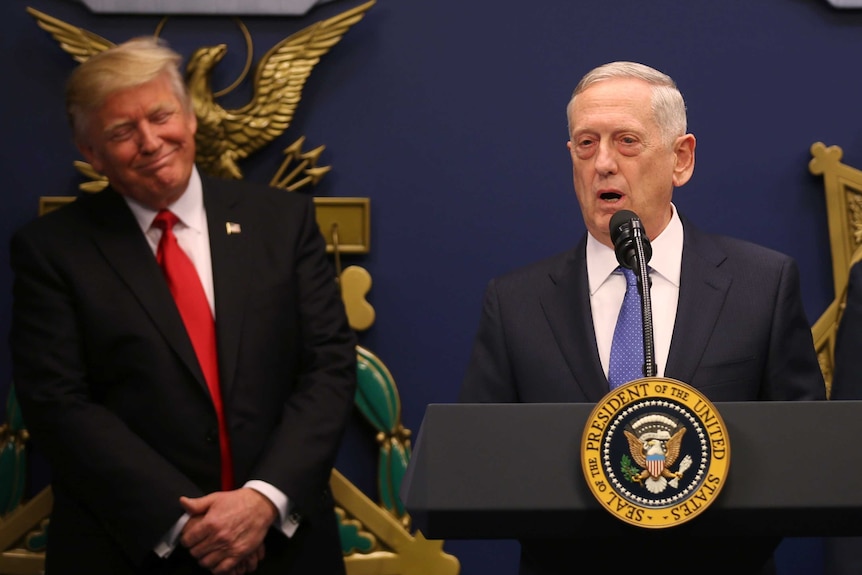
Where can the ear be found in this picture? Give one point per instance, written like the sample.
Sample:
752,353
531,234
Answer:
683,151
192,121
90,154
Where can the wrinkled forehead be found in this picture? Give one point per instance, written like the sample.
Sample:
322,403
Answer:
622,103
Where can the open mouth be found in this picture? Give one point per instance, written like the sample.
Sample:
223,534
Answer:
610,196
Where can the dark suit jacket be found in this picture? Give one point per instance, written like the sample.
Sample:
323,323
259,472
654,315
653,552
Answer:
113,395
843,555
740,334
847,376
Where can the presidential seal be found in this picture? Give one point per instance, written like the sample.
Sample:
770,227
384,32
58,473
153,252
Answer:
655,452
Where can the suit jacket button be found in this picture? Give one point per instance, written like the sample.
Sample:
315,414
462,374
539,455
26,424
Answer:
212,436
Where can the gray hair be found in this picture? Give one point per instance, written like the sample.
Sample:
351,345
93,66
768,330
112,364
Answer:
127,65
668,105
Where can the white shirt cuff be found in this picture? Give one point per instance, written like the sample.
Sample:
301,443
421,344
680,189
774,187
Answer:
286,522
169,542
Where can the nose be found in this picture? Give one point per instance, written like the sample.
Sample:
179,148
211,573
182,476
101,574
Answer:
606,161
148,140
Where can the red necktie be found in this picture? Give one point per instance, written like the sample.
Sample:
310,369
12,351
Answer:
188,292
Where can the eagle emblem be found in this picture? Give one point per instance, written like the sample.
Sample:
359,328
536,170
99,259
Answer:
227,136
655,452
655,441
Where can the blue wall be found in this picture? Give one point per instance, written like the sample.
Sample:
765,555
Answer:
449,115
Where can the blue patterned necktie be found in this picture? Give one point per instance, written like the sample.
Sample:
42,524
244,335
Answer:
627,349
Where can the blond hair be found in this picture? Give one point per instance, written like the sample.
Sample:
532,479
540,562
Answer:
132,63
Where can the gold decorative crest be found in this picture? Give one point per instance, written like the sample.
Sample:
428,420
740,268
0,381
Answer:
843,192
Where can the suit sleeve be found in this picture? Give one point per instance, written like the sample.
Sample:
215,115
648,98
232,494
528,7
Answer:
792,372
302,448
847,377
488,378
842,555
130,490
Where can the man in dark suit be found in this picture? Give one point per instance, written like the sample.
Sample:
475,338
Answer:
148,475
727,314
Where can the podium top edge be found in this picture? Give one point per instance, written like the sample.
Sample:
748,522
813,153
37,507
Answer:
717,403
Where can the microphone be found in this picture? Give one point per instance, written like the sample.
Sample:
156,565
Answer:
627,232
634,251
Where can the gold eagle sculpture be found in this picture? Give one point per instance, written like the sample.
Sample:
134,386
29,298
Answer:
665,455
226,136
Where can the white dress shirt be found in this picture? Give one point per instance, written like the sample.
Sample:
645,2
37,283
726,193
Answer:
193,237
607,290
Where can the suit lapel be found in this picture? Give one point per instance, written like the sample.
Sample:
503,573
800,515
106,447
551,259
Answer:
229,277
567,308
702,291
118,236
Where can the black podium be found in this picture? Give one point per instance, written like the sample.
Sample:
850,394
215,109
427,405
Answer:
512,471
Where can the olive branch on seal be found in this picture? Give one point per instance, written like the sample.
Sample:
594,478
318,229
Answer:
629,470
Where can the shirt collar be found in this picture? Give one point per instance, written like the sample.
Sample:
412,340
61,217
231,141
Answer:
667,250
666,255
189,207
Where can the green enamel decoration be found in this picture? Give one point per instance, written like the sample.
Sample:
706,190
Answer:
377,399
384,479
399,458
13,460
13,457
37,541
377,396
353,540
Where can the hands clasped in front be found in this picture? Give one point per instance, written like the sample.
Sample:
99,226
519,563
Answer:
226,530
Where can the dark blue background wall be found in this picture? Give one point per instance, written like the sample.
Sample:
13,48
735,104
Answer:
450,116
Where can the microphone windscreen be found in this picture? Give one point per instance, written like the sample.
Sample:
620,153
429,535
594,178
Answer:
618,221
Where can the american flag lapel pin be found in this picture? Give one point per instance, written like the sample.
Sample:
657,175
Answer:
232,228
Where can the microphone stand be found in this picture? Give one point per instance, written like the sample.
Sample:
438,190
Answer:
633,252
644,284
